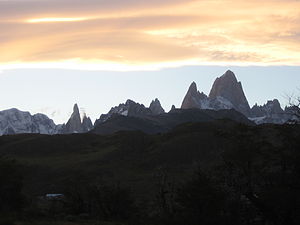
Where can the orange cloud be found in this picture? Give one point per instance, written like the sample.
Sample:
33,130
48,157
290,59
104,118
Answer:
142,34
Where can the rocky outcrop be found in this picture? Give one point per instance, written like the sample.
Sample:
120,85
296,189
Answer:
87,124
195,99
132,109
272,107
156,107
172,108
271,112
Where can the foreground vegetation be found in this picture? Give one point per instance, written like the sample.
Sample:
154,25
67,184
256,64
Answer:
201,173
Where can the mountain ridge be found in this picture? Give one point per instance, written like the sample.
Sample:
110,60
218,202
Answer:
163,123
226,93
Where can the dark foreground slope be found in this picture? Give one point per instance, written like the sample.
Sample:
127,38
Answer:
245,174
133,157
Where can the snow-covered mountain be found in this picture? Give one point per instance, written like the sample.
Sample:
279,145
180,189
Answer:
227,93
14,121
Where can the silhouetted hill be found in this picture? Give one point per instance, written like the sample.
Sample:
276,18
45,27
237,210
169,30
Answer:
133,157
165,122
253,169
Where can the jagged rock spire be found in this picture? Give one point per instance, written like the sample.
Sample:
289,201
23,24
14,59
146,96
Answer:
156,107
227,88
129,108
226,93
193,98
74,124
87,124
173,108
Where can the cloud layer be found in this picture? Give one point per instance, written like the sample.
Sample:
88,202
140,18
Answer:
137,34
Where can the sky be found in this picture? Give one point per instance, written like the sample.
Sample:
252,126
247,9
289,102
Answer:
99,53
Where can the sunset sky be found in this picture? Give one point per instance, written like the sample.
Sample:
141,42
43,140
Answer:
98,53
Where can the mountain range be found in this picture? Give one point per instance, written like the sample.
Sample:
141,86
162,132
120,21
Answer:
226,100
227,93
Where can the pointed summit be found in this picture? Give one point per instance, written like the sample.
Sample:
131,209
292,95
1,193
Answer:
130,102
75,111
75,107
156,107
74,123
229,75
193,88
173,109
194,99
87,124
227,92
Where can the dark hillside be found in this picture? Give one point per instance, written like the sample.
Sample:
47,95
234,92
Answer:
133,157
244,174
167,121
